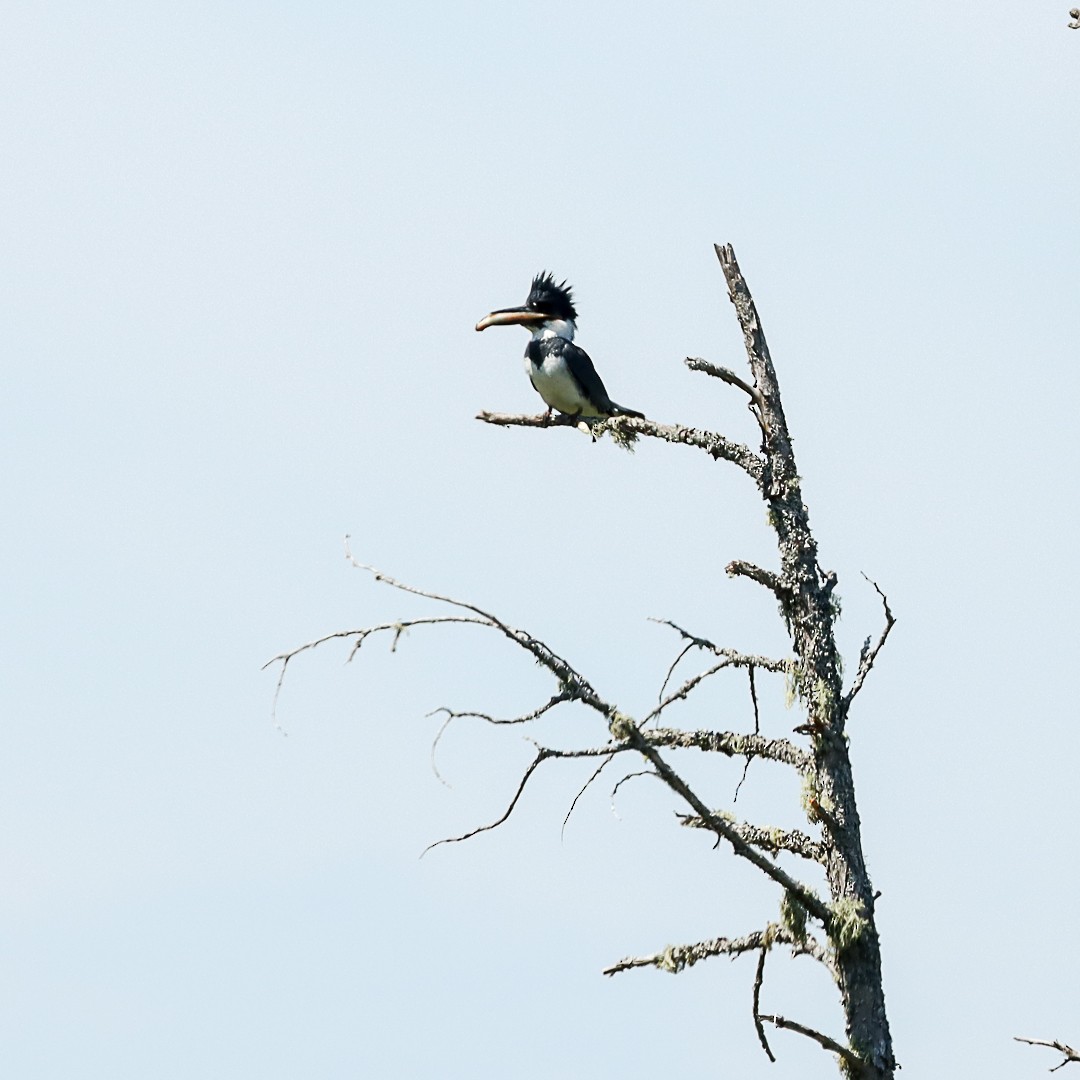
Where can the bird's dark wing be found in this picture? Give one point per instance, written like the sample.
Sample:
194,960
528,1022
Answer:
581,367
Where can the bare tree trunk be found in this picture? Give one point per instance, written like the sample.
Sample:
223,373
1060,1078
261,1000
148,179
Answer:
804,592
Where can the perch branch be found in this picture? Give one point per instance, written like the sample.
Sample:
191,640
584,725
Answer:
716,446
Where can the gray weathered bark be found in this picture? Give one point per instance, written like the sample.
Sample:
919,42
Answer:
804,592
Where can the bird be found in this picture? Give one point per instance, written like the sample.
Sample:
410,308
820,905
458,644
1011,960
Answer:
560,371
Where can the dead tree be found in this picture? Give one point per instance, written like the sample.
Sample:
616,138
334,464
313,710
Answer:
838,931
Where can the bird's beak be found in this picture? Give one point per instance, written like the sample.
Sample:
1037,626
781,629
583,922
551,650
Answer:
514,316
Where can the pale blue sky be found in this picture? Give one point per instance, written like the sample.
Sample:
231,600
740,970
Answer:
244,250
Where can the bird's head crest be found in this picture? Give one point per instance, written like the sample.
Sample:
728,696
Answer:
551,298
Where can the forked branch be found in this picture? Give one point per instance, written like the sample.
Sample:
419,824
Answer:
1062,1048
868,655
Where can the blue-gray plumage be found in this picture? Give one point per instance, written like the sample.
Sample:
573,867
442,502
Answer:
560,371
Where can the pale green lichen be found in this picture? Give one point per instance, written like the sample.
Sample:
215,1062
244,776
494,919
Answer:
621,434
791,688
736,744
848,922
793,916
810,796
668,961
622,727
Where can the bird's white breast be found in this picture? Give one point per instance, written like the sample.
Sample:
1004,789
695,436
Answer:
557,386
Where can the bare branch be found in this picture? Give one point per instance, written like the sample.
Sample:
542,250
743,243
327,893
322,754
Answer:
857,1066
771,840
585,787
759,978
716,446
671,670
675,958
695,363
628,733
771,581
575,686
742,779
452,715
738,659
757,731
684,690
868,655
1060,1047
753,699
364,633
731,744
543,753
525,718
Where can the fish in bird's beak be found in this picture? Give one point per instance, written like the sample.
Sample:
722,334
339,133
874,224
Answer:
514,316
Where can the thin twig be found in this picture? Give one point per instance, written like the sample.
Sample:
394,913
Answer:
757,731
452,715
628,776
753,698
738,659
759,977
575,685
868,655
671,670
684,690
585,787
742,779
543,753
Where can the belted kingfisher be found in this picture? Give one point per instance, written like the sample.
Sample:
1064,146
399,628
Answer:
560,371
